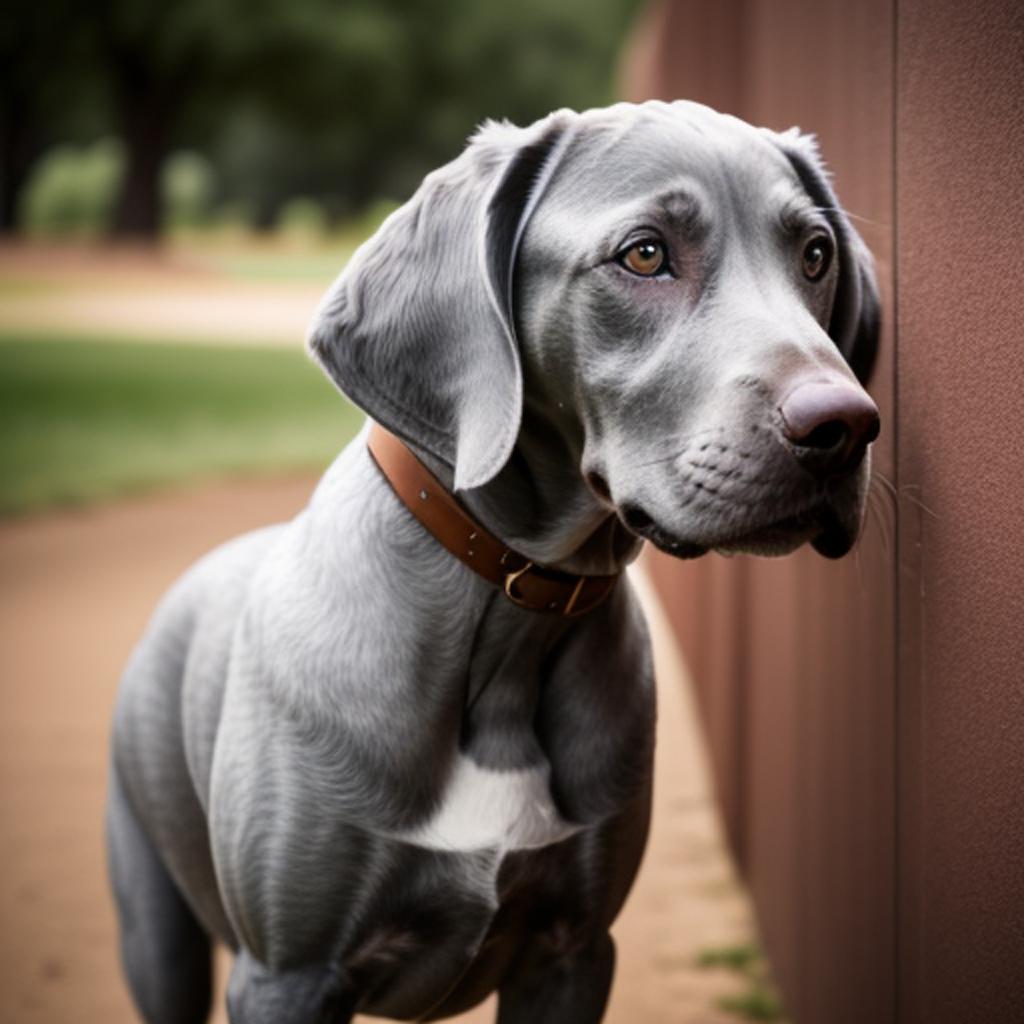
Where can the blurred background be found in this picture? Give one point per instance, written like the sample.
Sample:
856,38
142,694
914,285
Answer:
179,183
200,171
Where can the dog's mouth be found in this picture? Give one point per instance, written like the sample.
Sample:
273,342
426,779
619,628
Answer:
828,533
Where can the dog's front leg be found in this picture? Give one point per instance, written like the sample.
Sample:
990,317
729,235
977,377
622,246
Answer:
570,988
308,995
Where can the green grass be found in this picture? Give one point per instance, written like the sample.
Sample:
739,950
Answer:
87,420
759,1000
315,263
742,957
757,1003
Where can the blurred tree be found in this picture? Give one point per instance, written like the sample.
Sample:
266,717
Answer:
160,58
343,101
49,89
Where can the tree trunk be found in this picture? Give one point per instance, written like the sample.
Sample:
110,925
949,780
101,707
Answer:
145,114
19,146
13,173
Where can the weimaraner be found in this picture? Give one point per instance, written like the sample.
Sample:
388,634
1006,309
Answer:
363,767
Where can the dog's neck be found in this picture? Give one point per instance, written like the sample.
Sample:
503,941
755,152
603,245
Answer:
540,506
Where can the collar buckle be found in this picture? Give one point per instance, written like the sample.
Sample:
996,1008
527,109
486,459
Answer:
570,608
510,586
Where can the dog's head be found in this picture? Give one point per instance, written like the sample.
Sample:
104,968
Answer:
679,293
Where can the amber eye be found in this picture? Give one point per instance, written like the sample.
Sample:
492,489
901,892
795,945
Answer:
817,257
646,258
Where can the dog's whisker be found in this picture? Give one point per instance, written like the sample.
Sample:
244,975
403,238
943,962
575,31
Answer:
880,515
678,451
855,216
882,506
897,494
858,568
872,519
887,525
663,458
886,514
919,503
880,478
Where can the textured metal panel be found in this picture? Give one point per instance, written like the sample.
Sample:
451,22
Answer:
961,392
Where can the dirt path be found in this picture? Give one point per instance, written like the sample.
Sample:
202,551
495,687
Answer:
143,295
75,591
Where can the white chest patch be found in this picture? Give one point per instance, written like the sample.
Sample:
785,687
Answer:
481,808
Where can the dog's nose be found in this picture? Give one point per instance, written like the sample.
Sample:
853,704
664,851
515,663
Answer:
829,425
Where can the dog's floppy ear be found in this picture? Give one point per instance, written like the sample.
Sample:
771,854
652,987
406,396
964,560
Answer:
855,322
418,329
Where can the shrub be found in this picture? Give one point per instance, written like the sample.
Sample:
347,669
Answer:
72,190
188,184
234,217
302,218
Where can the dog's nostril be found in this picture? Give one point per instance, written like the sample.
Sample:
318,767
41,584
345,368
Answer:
599,486
826,416
829,425
826,435
636,518
871,432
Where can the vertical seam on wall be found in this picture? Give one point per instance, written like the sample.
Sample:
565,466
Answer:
742,722
897,607
742,712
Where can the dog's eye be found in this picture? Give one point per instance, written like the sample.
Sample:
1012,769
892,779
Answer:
817,257
645,259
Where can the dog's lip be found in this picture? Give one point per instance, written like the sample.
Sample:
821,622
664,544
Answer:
835,537
802,524
818,524
660,537
776,538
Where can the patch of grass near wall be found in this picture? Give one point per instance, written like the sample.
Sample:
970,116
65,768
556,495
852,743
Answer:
758,1001
82,420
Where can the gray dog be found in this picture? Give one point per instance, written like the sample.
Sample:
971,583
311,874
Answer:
359,764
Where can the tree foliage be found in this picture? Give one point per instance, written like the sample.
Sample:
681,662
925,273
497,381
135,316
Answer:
344,101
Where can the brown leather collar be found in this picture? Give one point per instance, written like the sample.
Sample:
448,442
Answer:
525,584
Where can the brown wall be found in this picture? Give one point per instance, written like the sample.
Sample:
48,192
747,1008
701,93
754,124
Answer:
866,718
960,368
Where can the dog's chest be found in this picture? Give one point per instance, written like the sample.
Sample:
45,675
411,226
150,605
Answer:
495,790
483,808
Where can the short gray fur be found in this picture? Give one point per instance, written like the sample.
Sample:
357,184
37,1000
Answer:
311,702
